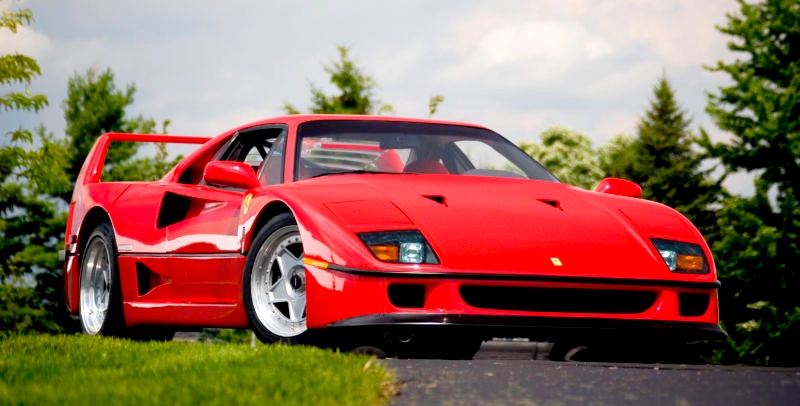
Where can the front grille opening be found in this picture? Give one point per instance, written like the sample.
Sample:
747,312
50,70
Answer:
558,299
693,304
407,295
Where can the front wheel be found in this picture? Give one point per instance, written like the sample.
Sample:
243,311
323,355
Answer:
275,283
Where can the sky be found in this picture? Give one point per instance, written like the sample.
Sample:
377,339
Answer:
517,67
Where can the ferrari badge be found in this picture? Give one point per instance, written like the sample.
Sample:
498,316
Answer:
247,200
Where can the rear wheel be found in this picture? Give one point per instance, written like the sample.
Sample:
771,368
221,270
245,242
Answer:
275,283
100,294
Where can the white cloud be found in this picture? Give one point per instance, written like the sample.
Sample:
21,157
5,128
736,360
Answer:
536,52
516,66
26,42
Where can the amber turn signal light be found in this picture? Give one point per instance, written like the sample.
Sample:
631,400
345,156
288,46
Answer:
389,253
691,263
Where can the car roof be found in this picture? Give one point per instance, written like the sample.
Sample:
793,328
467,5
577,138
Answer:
301,118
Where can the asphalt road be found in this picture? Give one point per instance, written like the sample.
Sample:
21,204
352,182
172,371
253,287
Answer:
510,374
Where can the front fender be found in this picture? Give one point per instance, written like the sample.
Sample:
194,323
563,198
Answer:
325,236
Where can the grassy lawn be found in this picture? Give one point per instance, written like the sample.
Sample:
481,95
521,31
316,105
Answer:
59,370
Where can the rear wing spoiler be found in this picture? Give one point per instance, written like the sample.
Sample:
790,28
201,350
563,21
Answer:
93,165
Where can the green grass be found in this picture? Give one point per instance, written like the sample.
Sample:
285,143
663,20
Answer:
59,370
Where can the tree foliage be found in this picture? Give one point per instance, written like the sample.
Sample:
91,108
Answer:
619,149
759,246
30,223
28,177
94,106
568,154
16,69
433,104
37,173
356,91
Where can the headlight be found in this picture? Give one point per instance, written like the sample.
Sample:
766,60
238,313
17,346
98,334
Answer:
681,257
407,247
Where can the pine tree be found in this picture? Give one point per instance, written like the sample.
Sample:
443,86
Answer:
355,91
759,249
28,176
662,159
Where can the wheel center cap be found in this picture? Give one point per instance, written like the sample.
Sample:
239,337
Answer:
296,281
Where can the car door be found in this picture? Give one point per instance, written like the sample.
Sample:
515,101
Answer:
203,237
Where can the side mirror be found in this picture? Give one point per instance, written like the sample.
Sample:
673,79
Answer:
620,187
233,174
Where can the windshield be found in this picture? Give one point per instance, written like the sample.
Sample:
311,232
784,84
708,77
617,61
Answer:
330,147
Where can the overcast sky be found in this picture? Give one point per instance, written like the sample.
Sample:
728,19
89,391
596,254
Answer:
517,67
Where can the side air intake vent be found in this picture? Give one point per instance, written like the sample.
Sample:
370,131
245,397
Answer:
147,280
174,209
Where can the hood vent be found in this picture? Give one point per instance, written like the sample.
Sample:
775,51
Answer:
550,202
437,198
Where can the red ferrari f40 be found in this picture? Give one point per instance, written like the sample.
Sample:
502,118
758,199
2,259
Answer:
417,237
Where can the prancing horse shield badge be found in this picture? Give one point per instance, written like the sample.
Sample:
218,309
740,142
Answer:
247,200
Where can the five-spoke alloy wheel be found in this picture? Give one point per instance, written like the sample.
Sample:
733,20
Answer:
100,296
275,282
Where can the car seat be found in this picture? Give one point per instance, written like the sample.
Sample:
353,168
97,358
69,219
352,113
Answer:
429,166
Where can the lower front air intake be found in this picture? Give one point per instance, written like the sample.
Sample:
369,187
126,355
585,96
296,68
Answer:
560,300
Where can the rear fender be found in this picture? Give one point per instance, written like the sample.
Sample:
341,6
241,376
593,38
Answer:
92,201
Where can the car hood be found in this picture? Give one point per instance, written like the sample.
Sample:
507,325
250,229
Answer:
498,225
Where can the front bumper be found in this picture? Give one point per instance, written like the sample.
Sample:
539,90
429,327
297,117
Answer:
492,305
536,328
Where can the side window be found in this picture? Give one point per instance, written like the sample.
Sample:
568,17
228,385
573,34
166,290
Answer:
256,154
271,171
251,146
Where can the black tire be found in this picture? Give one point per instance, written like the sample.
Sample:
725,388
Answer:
570,351
273,289
648,351
100,295
363,342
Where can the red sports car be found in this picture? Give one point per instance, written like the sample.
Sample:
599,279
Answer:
417,237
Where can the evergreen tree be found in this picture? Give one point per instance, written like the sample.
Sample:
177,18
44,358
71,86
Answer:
36,185
94,106
759,252
662,160
28,216
355,91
